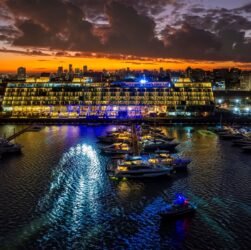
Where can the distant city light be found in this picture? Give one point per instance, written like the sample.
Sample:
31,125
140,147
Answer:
237,100
247,109
220,101
236,109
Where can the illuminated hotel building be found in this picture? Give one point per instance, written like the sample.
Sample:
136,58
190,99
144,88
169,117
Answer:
81,98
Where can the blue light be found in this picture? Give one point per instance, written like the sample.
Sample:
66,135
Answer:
179,199
143,81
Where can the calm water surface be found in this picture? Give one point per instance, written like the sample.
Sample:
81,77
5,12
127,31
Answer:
57,195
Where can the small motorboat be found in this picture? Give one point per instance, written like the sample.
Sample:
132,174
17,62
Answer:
115,137
163,158
231,136
7,147
118,130
158,144
242,142
180,207
247,149
219,129
117,149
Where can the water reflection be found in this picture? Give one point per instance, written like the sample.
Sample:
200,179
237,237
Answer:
58,195
74,192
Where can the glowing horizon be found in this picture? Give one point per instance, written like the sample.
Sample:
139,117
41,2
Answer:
37,64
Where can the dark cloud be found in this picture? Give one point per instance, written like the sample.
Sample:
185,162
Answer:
188,42
128,28
25,52
8,33
32,35
131,33
52,23
245,8
62,53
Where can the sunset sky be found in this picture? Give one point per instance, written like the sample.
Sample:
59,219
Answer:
144,34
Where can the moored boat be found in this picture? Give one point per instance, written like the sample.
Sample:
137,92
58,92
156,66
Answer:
163,158
135,168
247,149
117,149
158,144
7,147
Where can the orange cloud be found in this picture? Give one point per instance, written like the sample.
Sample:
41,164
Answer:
34,63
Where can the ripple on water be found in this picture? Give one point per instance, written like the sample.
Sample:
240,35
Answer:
57,195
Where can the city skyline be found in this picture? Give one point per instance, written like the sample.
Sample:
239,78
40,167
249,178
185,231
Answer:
172,34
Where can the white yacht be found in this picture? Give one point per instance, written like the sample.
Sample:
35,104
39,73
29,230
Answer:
135,167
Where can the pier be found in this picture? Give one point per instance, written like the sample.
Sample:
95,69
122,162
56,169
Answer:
135,143
16,134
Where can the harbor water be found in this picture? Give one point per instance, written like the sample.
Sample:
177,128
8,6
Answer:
57,195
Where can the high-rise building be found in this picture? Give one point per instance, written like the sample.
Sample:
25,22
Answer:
60,71
108,100
85,69
234,78
70,69
245,80
198,75
220,74
21,73
77,71
189,72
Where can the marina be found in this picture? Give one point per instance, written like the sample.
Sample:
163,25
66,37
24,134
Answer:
125,125
62,185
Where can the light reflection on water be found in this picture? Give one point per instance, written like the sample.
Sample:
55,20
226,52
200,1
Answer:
66,200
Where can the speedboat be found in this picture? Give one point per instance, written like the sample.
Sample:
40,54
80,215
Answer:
152,145
116,149
220,129
231,136
135,168
180,207
8,147
118,130
163,157
115,137
152,136
247,149
242,142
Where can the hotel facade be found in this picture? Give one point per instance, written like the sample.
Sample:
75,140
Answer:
81,99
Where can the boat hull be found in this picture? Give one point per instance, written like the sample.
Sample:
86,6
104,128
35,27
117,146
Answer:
139,175
170,147
179,214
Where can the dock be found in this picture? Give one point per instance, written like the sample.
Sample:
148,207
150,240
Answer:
135,142
16,134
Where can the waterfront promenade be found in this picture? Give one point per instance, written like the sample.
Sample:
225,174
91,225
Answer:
211,120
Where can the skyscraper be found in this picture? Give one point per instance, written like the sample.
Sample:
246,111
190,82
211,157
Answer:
21,73
77,71
70,69
85,69
60,71
246,80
